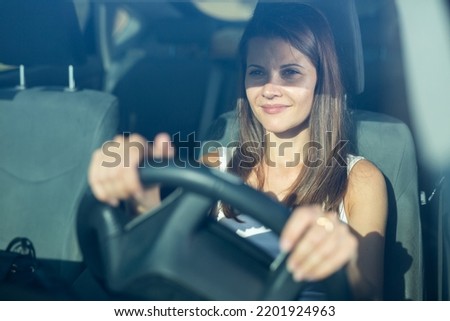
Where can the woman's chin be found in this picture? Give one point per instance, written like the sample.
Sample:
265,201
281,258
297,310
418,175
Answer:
283,131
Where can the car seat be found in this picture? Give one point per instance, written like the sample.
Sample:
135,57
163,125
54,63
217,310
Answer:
47,135
382,139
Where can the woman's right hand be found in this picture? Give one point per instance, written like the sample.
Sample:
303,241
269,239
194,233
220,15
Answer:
113,172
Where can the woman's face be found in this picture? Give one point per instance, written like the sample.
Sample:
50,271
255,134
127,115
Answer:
279,83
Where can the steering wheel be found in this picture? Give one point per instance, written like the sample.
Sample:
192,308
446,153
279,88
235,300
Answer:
178,251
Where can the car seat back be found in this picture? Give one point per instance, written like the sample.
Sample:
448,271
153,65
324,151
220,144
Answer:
388,143
47,134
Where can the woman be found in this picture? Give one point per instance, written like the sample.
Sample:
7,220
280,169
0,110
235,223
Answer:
291,113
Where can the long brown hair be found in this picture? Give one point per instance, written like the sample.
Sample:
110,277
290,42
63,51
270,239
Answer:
308,31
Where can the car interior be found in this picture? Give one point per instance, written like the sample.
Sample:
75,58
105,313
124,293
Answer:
49,132
75,73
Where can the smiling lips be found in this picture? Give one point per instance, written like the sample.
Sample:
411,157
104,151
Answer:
274,109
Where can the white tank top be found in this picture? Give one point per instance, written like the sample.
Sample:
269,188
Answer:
351,161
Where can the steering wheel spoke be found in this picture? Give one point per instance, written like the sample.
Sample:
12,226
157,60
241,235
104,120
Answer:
181,205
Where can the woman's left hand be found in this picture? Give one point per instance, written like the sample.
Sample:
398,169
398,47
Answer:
319,244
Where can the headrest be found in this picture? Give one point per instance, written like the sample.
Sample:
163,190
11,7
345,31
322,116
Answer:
343,19
40,32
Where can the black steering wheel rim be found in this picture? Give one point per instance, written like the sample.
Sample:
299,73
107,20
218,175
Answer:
201,188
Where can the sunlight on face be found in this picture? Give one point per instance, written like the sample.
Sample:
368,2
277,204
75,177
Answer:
280,83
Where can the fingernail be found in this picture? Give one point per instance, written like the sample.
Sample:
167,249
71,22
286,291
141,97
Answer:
114,203
139,195
285,245
290,266
298,276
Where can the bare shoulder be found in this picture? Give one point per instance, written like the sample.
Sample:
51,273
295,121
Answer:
366,192
364,174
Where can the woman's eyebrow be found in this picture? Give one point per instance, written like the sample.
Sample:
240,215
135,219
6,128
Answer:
292,65
254,66
281,67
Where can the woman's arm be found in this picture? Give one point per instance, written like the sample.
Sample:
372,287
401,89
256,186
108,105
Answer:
366,207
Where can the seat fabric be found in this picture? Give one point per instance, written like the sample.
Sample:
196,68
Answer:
47,137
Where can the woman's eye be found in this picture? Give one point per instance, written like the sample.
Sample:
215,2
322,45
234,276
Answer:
255,73
290,73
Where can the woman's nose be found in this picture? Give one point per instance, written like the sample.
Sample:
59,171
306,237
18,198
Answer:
271,90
